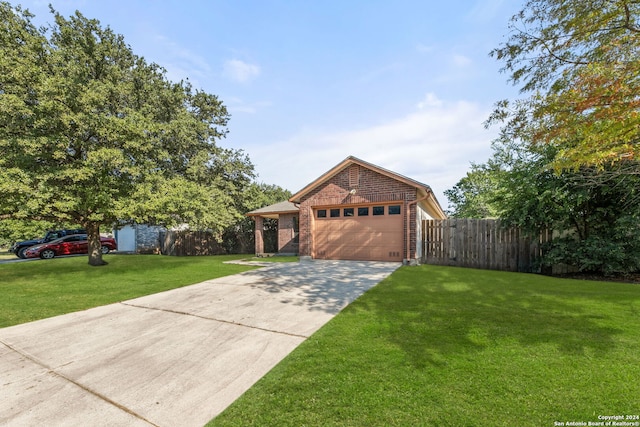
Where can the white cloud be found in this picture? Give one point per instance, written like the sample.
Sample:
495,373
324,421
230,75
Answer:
434,145
461,60
240,71
430,100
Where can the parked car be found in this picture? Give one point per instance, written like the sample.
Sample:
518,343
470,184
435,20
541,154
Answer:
68,245
18,248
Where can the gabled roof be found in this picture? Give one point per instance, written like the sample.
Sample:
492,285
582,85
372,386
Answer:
351,160
272,211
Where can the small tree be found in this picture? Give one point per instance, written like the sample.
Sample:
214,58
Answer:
579,61
572,160
240,236
471,196
92,134
596,212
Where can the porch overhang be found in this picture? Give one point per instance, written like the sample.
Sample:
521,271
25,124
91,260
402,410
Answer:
275,210
284,211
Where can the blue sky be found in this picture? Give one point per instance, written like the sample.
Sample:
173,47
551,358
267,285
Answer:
404,84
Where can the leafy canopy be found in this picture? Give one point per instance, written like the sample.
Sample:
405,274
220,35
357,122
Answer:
471,196
594,212
580,63
91,133
240,238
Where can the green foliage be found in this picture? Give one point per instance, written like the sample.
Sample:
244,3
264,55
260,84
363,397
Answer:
469,198
17,230
239,238
580,61
614,250
594,212
91,133
12,230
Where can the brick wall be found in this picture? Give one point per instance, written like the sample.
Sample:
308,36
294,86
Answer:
148,238
288,233
370,186
259,235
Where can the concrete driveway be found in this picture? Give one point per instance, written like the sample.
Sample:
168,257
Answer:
176,358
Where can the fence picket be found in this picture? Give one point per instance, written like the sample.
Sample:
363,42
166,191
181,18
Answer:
189,243
483,244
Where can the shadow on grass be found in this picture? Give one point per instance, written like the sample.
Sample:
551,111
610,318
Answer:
434,313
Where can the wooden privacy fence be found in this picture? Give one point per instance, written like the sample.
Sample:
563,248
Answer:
480,243
190,243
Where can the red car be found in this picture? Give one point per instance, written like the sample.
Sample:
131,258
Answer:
68,245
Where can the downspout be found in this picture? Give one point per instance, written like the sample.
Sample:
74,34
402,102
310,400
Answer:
408,223
308,212
297,205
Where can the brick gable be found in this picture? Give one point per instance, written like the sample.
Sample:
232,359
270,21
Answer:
370,187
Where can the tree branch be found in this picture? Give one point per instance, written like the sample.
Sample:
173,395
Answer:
628,22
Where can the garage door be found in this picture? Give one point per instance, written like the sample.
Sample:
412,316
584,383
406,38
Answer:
363,233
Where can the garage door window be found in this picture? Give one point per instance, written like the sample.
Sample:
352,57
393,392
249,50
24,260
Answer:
360,211
394,210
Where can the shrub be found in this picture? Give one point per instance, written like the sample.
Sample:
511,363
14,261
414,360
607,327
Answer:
610,251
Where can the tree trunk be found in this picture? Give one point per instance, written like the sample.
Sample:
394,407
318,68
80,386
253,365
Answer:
95,247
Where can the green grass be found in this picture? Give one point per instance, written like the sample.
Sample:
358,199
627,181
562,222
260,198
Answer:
7,255
38,289
428,346
439,346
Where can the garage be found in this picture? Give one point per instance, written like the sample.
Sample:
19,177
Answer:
359,233
355,211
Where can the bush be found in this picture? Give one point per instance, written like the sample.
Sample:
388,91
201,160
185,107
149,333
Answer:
610,251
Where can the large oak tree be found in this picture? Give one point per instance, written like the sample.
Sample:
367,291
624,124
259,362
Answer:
91,133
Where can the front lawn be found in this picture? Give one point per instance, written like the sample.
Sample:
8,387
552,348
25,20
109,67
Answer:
440,346
35,290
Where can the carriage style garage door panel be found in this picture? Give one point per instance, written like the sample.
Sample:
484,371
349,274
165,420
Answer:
367,233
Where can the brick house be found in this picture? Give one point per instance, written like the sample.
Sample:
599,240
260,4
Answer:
355,211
